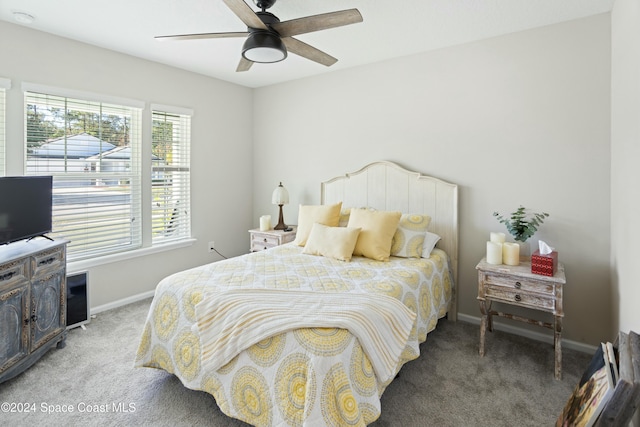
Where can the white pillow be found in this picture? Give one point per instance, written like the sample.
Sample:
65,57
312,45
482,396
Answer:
430,240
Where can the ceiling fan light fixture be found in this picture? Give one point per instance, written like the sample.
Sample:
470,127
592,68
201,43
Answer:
264,47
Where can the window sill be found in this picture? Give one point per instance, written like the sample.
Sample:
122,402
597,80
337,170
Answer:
76,266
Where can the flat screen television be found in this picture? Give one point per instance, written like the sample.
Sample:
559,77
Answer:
25,207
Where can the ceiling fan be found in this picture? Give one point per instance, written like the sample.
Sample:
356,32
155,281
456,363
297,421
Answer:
268,39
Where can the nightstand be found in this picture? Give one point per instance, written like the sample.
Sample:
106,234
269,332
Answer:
517,286
261,240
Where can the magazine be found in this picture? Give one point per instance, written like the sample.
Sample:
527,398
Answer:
592,392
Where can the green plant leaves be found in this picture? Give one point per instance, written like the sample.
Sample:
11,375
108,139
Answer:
522,225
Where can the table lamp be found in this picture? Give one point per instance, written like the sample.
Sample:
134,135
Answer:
280,197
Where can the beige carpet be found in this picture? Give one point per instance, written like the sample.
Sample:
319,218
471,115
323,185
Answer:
449,385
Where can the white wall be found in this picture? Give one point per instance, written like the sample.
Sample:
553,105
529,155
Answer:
517,119
625,154
221,143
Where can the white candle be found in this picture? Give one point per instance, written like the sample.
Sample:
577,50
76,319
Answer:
494,253
511,253
497,237
265,222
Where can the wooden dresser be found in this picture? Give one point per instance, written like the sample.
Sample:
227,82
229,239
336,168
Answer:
32,302
517,286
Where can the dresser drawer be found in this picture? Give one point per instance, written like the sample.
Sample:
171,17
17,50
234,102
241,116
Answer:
12,273
518,297
46,260
518,284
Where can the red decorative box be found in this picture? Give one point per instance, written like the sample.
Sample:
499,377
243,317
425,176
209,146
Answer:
544,264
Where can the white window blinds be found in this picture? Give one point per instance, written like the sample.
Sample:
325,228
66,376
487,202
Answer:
170,176
92,150
4,85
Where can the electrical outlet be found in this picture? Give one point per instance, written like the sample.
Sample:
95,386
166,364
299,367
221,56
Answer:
212,246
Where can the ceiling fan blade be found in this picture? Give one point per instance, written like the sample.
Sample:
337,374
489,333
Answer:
307,51
202,36
245,13
312,23
244,65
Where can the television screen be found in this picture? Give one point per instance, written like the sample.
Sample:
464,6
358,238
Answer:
25,207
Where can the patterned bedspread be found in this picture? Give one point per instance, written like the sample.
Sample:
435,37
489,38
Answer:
309,376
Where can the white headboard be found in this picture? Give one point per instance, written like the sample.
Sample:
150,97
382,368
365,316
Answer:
387,186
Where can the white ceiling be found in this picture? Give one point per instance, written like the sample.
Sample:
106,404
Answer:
390,29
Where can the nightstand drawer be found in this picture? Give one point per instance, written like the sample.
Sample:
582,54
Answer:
518,297
262,240
265,240
519,284
261,243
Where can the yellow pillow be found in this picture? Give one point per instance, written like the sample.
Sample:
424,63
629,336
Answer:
409,237
344,217
378,228
331,242
310,214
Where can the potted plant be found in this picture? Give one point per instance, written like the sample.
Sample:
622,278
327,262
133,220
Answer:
521,224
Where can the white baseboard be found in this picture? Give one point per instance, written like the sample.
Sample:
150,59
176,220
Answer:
121,302
573,345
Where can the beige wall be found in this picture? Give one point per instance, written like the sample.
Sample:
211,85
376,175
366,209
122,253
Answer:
221,143
518,119
625,154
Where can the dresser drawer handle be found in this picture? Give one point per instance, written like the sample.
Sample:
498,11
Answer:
518,285
265,248
265,240
46,261
7,276
518,297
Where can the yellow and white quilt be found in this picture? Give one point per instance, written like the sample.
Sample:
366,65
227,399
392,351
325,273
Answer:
305,376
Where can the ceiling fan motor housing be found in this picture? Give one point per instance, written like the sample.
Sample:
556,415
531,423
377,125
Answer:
268,18
264,4
264,45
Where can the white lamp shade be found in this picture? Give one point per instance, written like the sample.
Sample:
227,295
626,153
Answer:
280,196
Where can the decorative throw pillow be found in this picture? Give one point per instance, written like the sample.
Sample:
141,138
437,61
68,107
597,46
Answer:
430,240
377,230
310,214
409,237
344,217
331,242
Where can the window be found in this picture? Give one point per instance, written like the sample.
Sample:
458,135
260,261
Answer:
4,85
92,150
170,175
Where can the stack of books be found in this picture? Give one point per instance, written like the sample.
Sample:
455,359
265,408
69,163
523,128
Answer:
609,390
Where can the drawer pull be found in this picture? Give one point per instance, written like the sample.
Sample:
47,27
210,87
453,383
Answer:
7,276
265,240
518,297
518,285
46,261
265,248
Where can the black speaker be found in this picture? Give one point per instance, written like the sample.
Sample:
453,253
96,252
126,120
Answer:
77,300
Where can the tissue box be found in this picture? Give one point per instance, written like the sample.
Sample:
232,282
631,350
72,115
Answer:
544,264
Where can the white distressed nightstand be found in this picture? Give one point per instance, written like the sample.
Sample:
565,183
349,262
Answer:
516,285
261,240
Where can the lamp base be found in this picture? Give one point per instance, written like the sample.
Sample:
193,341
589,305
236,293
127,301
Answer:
281,225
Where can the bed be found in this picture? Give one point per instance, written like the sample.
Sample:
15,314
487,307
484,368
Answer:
296,335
